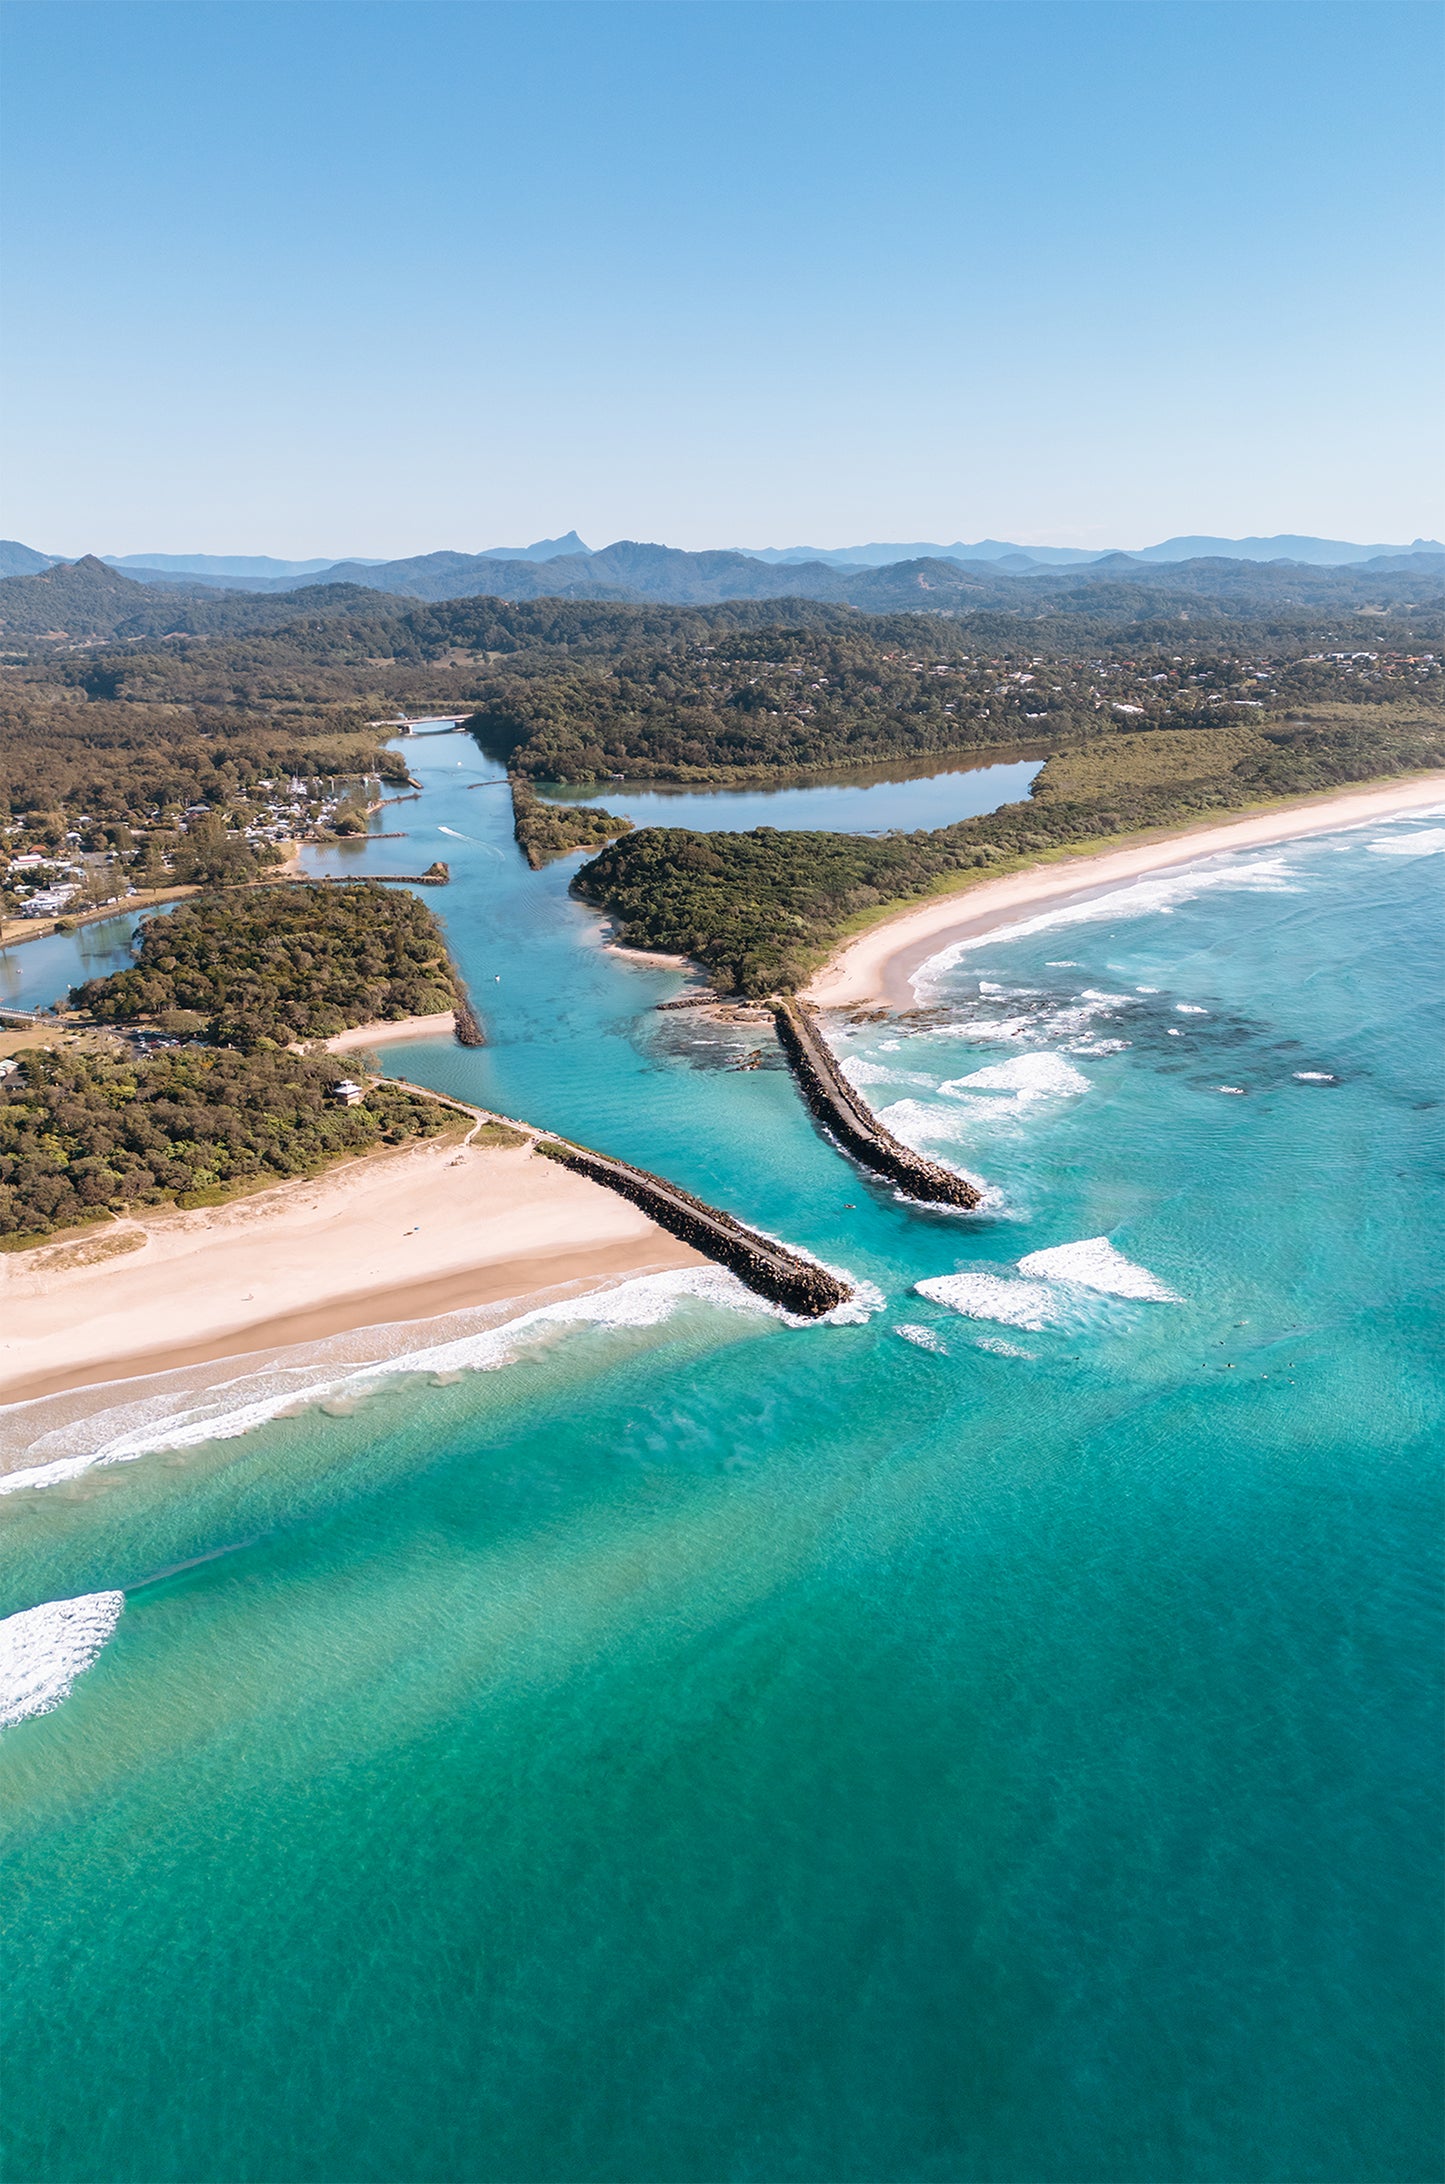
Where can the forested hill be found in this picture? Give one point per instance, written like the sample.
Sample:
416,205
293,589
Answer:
839,693
633,571
81,601
86,600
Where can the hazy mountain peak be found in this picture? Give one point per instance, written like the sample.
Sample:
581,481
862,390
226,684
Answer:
542,549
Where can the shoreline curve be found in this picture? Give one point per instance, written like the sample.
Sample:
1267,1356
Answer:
879,964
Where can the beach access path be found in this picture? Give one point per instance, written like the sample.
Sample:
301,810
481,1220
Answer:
879,964
403,1234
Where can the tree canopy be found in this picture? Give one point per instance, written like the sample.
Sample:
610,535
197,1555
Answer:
284,963
83,1135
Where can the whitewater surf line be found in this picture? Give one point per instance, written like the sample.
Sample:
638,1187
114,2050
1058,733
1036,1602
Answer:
836,1104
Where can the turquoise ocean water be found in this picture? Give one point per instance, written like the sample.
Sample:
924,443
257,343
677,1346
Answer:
995,1737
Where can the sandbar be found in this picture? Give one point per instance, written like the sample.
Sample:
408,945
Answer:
879,965
440,1026
404,1234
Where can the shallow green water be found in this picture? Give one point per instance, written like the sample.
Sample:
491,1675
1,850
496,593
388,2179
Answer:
700,1747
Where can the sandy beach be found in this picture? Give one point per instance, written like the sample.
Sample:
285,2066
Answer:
440,1026
879,965
405,1234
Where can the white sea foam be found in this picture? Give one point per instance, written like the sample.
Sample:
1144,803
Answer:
1315,1076
860,1073
44,1649
1429,842
1269,873
1093,1263
920,1125
979,1295
1189,1008
1044,1291
1027,1076
1000,1348
922,1338
229,1409
1237,1089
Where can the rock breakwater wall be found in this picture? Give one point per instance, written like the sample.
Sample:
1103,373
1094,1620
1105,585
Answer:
771,1269
853,1122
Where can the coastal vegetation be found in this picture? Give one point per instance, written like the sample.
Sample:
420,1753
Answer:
544,831
185,734
761,909
84,1135
262,968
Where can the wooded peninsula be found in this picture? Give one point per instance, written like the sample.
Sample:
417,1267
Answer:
162,740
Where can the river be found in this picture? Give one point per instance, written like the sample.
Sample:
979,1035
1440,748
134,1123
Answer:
994,1737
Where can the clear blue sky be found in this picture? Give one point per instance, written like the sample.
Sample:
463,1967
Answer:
377,278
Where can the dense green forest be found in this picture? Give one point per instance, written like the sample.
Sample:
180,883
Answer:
132,760
81,1135
276,964
761,909
793,697
192,745
544,831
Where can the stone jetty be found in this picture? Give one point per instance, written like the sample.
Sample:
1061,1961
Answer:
780,1275
853,1122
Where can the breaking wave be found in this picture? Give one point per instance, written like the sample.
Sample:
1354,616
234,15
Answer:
1045,1289
1027,1076
1429,842
43,1650
1095,1264
187,1416
1150,895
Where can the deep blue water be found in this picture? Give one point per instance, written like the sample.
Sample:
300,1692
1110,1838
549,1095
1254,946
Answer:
996,1738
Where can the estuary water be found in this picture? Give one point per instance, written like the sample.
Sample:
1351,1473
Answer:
992,1737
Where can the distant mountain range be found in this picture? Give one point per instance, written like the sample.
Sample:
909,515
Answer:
571,562
89,599
1325,552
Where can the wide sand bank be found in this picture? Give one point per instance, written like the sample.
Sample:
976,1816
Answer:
399,1235
880,964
